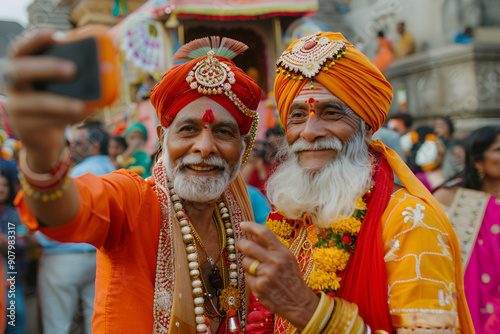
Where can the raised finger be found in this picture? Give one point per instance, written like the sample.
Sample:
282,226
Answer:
31,41
28,69
261,235
252,250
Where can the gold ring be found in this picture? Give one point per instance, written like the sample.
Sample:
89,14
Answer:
253,267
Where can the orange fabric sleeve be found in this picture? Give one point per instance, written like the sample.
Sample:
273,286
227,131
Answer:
118,197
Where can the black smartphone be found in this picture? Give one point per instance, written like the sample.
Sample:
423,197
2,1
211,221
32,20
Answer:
86,84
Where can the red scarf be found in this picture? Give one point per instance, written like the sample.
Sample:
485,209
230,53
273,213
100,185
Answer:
365,281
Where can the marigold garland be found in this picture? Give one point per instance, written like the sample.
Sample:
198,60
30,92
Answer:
321,280
330,259
350,226
333,250
282,230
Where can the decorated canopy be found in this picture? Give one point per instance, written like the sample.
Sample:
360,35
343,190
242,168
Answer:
238,9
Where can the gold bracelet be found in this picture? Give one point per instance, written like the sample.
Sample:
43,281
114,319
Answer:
321,316
345,318
359,326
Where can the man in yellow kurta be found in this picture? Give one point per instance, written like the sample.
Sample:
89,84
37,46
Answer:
406,44
377,255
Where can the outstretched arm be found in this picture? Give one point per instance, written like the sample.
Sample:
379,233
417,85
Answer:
39,119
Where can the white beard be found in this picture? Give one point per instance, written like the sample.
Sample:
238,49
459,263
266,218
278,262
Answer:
329,195
198,189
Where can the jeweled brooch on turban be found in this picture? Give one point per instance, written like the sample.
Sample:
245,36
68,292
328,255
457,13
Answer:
309,56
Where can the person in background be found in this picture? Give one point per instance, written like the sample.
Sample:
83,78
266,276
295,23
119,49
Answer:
145,89
393,140
444,129
390,139
464,37
406,45
67,271
472,202
260,205
402,123
135,157
255,163
265,162
117,145
426,158
13,233
456,160
384,54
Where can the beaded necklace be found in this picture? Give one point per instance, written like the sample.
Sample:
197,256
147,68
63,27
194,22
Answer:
216,280
229,297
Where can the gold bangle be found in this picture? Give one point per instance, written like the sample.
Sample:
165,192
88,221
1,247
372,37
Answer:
321,316
42,180
344,319
359,326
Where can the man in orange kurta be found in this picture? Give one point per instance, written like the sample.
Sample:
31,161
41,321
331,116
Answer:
160,240
379,255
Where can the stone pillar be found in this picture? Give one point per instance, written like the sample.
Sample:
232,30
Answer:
459,81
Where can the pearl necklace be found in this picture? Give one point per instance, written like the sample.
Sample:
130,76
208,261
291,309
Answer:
192,255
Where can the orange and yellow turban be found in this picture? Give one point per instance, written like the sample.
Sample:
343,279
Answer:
350,76
173,93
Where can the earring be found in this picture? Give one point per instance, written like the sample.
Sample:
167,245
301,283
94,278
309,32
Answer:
480,173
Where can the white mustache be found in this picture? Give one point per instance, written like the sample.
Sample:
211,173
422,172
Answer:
195,159
322,144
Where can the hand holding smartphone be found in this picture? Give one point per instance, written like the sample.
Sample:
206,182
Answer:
97,80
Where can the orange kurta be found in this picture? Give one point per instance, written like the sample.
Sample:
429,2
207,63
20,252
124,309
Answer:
120,215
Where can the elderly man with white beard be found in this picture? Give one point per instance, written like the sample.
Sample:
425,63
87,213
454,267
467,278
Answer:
166,259
345,249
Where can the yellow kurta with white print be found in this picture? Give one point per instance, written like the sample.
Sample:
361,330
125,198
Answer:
420,267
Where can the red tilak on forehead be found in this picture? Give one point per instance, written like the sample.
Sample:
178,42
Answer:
311,107
208,118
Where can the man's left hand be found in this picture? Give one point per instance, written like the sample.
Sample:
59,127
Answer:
277,280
